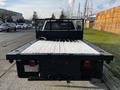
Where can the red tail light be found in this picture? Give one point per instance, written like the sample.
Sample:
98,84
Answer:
32,62
66,62
87,64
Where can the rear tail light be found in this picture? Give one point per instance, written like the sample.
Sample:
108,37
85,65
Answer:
66,62
87,64
32,63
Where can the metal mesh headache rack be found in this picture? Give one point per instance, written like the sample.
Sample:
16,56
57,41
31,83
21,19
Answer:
51,29
65,22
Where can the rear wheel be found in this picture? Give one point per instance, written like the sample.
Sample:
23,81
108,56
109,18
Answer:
14,29
8,30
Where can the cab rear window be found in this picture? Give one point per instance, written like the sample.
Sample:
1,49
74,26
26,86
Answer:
59,25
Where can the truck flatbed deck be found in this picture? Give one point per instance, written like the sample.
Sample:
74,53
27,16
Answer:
60,47
69,49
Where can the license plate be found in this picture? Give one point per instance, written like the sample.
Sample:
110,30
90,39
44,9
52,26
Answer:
29,68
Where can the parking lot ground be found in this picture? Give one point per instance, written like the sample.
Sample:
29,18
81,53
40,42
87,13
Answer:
4,65
12,35
10,81
12,40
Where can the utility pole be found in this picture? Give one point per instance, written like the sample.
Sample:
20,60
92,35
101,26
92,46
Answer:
88,10
85,8
79,12
91,7
71,6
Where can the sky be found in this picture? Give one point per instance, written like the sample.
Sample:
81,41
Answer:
45,8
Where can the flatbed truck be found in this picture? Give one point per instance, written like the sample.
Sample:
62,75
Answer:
59,53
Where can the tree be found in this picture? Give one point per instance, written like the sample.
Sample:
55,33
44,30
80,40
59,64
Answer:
53,16
9,19
20,21
35,16
4,16
62,16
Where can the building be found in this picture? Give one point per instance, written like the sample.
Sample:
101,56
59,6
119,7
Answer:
7,14
108,20
89,22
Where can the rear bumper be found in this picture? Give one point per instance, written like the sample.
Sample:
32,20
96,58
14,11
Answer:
50,72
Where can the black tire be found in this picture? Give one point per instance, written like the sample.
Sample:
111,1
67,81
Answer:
8,30
14,29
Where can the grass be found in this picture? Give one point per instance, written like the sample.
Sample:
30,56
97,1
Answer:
109,42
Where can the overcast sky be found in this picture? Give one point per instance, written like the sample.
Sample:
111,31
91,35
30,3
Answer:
45,8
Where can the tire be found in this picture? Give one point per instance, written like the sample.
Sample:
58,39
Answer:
14,29
8,30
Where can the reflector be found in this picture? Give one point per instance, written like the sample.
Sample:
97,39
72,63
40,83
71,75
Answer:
87,64
32,63
67,62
